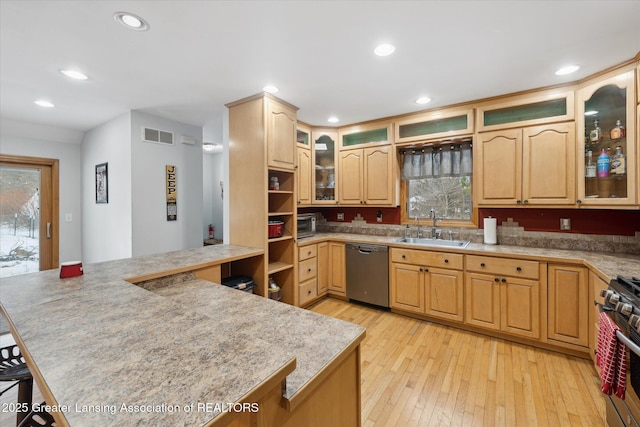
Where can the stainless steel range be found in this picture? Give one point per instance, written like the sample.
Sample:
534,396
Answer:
622,305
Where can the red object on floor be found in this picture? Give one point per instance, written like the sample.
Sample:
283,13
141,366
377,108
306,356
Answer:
611,358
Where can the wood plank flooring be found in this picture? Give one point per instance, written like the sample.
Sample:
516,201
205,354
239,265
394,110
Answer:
418,373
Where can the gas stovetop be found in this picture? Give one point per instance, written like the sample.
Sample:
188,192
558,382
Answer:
629,287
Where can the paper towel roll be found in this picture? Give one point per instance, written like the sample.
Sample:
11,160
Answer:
490,231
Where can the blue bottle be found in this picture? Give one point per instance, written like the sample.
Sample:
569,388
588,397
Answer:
604,163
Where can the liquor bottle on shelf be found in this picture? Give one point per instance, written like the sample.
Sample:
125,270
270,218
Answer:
590,168
604,163
595,136
618,162
619,131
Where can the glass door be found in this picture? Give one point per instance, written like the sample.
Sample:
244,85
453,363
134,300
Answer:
28,223
324,174
606,132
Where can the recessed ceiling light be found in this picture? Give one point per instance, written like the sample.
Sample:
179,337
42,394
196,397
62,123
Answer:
567,70
333,120
270,89
131,21
423,100
384,49
590,113
73,74
44,103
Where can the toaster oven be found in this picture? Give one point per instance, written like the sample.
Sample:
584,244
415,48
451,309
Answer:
306,225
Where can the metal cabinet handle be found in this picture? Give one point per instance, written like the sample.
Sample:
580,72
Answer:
426,269
482,264
309,270
526,201
496,279
504,280
518,269
404,256
421,269
446,261
48,230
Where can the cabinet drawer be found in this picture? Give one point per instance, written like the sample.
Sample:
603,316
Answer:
427,258
307,269
503,266
307,291
306,252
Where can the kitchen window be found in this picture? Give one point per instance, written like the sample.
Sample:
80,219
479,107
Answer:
438,176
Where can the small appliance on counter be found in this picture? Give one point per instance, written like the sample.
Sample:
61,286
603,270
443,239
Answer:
306,225
243,283
70,269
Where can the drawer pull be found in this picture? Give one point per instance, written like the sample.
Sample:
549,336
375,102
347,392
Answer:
404,256
482,264
518,269
496,279
446,261
504,280
309,270
309,292
426,270
421,269
309,253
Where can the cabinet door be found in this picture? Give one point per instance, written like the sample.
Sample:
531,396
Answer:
520,307
482,301
304,176
324,151
378,175
351,175
323,268
498,156
444,294
281,136
568,304
407,287
337,269
549,164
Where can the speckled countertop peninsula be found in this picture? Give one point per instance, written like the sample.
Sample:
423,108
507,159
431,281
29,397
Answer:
114,354
607,265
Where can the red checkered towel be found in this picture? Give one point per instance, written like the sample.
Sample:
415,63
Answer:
611,358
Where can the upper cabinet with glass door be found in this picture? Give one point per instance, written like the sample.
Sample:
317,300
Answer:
607,141
324,166
360,136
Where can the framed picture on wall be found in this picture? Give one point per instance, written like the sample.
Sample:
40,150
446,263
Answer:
102,183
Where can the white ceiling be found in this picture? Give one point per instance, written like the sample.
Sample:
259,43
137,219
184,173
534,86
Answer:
199,55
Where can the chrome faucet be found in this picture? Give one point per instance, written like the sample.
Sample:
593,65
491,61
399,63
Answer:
435,233
418,226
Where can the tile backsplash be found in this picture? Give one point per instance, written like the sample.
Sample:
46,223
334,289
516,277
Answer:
509,233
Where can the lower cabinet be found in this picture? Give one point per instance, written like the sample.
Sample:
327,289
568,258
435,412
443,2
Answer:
504,297
420,285
337,269
568,302
596,285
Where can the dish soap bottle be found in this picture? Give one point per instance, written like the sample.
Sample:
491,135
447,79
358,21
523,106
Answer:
604,163
618,162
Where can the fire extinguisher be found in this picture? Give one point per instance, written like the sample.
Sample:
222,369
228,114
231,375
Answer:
210,231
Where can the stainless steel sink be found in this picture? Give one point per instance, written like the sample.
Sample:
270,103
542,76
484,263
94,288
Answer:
434,242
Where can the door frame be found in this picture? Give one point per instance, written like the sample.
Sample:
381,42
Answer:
52,185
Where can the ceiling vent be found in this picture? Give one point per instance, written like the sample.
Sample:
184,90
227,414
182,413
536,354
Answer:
157,136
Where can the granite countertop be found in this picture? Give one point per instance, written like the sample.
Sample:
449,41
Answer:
112,353
608,265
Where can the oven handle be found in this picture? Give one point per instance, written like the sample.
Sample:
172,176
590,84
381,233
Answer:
630,344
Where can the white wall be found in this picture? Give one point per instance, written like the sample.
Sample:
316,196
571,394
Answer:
20,138
212,174
152,233
106,228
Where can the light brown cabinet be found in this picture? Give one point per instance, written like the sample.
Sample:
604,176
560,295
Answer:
281,135
602,102
428,283
366,176
529,166
303,174
324,179
323,268
337,269
503,295
568,303
307,274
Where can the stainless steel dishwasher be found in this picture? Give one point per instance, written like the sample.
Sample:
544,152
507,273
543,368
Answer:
368,273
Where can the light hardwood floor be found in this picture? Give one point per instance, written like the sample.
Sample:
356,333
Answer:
418,373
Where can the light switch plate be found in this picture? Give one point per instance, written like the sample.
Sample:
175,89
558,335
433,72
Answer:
565,223
68,217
